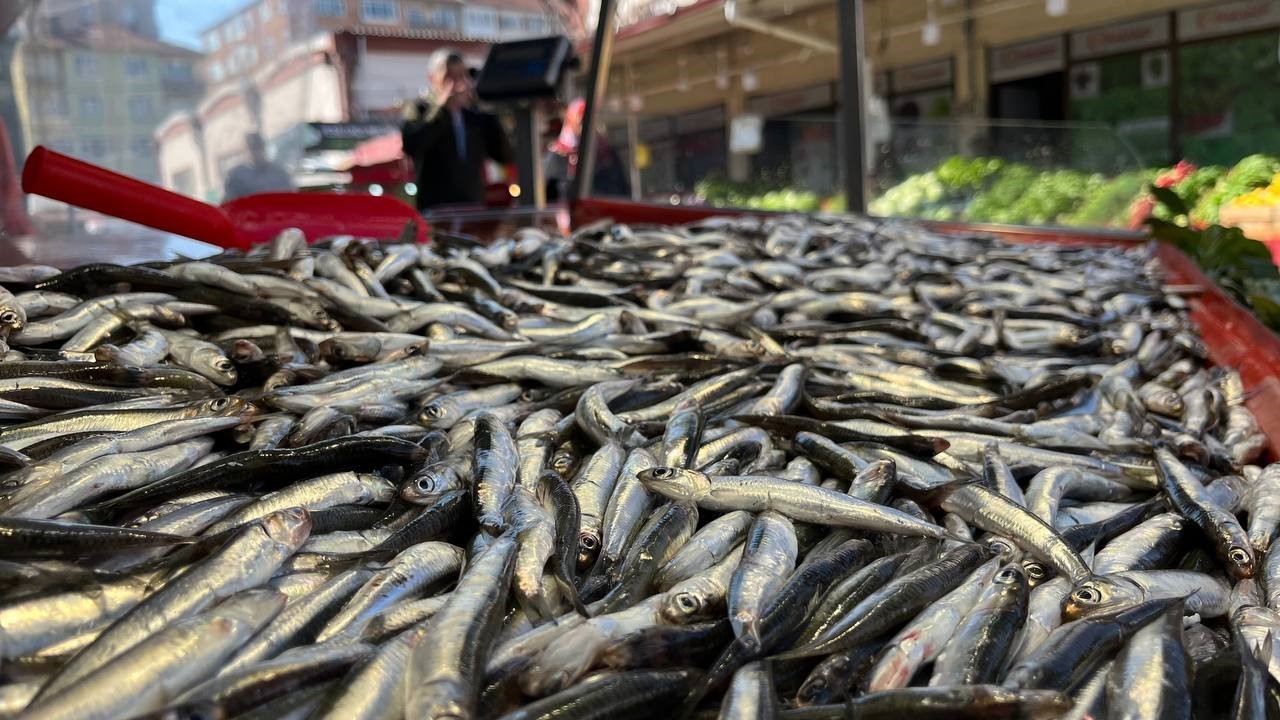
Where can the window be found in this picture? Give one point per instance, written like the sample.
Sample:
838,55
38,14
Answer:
91,107
66,146
177,70
382,11
216,72
141,109
141,146
45,67
86,66
479,22
211,41
53,105
330,8
444,18
418,18
86,14
93,146
135,66
264,11
508,23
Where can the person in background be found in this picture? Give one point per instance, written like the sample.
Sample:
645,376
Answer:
258,175
448,139
610,176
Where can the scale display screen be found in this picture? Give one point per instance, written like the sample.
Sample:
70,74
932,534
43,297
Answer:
524,69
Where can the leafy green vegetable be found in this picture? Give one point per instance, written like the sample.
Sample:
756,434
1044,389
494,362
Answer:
1251,172
1239,265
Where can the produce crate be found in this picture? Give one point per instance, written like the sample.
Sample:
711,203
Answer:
1262,223
1234,336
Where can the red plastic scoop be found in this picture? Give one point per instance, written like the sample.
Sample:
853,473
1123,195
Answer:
236,224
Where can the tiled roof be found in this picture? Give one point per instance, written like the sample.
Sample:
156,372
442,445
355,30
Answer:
113,38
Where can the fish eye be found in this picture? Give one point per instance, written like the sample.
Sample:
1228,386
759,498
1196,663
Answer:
1007,575
1238,556
687,602
1034,571
219,404
223,364
663,472
8,316
433,411
1087,596
588,542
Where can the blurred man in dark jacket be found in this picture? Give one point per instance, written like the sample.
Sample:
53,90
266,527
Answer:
447,139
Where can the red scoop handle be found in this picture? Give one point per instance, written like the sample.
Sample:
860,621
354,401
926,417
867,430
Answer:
86,185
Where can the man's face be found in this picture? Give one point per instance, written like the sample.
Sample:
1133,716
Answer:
456,84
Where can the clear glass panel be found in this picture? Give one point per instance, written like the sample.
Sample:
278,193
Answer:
1008,172
783,164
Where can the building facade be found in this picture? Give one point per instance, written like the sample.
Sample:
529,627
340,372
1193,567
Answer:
253,37
1105,86
293,70
100,95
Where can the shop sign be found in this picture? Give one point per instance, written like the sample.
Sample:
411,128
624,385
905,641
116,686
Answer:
1227,18
817,96
746,134
926,76
1014,62
709,119
1123,37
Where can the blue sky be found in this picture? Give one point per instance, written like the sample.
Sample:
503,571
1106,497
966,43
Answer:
181,20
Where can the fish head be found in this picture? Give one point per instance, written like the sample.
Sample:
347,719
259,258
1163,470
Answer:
216,366
290,526
1099,595
432,482
12,318
408,351
1241,562
224,407
313,316
564,459
246,351
588,547
1004,549
1012,578
675,483
1165,401
167,317
350,350
439,414
1037,572
817,688
683,606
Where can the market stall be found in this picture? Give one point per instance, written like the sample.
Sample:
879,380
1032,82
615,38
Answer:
661,461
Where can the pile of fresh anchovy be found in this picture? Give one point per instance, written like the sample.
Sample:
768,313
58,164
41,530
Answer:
802,467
